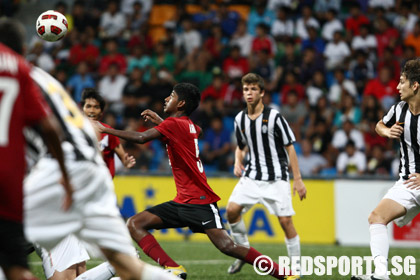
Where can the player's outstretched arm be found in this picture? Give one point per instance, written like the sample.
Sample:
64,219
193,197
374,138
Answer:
132,136
393,132
298,184
152,116
126,159
51,136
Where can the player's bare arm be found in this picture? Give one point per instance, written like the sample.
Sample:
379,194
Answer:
128,160
298,184
51,135
239,159
393,132
413,181
132,136
152,116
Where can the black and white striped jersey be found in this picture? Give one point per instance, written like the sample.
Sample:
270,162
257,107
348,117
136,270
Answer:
410,138
80,142
266,137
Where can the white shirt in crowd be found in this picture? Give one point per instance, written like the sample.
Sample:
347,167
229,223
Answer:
112,89
336,53
330,27
351,165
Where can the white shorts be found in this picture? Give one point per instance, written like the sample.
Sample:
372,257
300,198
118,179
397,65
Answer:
94,217
274,195
68,252
407,198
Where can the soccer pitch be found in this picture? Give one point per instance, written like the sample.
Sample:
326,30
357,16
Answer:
203,261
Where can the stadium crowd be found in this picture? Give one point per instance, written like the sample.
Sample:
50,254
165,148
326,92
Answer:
331,68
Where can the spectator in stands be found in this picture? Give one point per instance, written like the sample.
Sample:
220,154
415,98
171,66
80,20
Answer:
351,162
336,51
387,37
235,65
361,70
331,25
260,14
111,87
217,146
263,65
84,51
136,95
242,38
389,60
340,87
139,59
313,41
295,113
216,90
112,22
311,63
214,45
347,110
377,163
79,81
81,18
112,56
188,41
355,20
346,133
366,42
405,19
316,88
320,137
263,40
39,57
127,7
309,162
283,25
384,88
322,7
304,22
289,62
228,20
413,38
372,139
161,58
291,83
409,53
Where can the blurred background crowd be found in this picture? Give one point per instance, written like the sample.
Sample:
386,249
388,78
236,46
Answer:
331,68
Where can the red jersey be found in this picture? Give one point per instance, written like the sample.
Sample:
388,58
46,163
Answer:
21,105
181,138
107,145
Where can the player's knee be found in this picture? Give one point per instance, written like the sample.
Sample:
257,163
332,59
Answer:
232,214
132,224
286,223
375,218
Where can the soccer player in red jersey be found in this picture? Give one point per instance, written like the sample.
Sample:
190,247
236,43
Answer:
195,205
93,106
21,105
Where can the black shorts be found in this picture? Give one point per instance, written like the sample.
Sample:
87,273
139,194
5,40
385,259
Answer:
12,244
198,217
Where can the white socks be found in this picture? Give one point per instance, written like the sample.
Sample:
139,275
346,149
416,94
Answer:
155,273
238,232
293,246
379,246
104,271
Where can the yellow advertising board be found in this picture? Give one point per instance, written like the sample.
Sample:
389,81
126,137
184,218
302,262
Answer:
314,219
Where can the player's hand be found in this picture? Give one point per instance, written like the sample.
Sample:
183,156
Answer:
68,196
149,115
413,181
299,186
238,169
396,130
98,126
129,161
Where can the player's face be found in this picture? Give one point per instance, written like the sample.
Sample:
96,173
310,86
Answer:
92,109
406,91
252,93
171,103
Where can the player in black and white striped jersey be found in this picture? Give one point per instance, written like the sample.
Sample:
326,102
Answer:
265,136
402,202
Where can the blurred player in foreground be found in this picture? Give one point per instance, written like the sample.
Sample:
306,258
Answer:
402,202
93,106
264,135
21,105
94,216
195,205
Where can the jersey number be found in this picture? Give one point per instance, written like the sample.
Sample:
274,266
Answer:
197,154
9,88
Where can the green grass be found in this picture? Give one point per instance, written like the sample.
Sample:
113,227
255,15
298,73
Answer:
203,261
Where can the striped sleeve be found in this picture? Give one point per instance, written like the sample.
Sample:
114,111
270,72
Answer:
287,135
240,139
390,118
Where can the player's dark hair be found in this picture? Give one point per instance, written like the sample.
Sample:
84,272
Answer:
411,71
252,78
190,94
12,34
94,94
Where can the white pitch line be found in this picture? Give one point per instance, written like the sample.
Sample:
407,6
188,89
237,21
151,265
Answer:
186,262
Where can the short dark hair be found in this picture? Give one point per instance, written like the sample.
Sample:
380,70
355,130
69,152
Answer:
94,94
190,94
411,71
12,34
252,78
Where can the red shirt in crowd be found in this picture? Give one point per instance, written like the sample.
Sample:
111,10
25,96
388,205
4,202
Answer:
118,59
353,24
376,88
181,138
21,104
235,67
88,53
